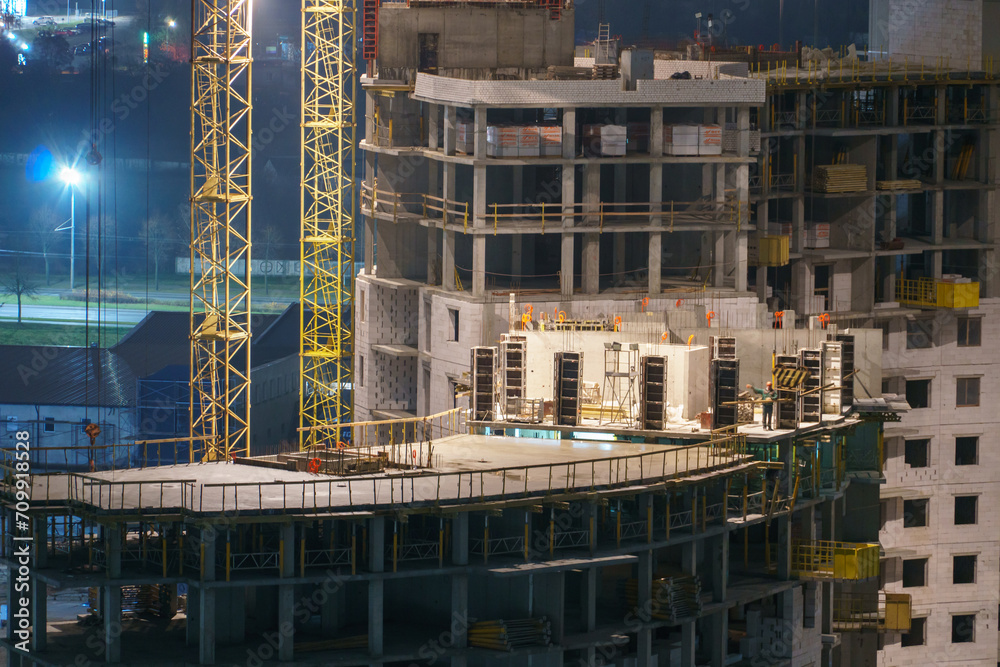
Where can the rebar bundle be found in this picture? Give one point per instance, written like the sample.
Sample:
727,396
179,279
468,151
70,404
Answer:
509,635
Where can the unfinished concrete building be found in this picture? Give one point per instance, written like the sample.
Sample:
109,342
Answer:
629,537
503,168
908,244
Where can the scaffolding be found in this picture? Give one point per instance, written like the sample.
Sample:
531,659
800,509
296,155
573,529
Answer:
328,210
220,227
621,369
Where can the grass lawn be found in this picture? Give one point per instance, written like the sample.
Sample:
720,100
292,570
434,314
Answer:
12,333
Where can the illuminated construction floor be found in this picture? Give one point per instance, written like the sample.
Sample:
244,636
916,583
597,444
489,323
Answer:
467,469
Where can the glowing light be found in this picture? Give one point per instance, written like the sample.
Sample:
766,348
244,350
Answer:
70,176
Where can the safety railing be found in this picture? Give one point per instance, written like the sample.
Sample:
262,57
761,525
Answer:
463,488
266,560
412,550
848,561
400,442
327,557
918,113
634,529
497,546
883,612
930,293
413,206
467,487
570,539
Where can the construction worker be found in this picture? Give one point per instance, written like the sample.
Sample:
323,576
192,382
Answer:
769,395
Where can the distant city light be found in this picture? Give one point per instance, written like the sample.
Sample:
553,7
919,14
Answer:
70,176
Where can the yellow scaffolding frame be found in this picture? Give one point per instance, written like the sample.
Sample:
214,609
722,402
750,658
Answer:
329,50
220,227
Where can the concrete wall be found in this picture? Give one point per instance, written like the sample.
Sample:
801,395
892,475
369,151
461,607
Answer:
940,481
952,29
274,396
687,369
476,37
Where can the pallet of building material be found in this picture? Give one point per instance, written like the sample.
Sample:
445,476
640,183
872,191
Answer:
674,598
905,184
568,73
601,72
840,178
510,635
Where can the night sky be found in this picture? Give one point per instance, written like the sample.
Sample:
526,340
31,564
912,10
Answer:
45,111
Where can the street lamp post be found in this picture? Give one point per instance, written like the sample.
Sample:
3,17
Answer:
71,177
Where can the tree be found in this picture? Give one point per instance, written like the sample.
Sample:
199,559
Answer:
16,284
51,50
268,237
43,224
156,234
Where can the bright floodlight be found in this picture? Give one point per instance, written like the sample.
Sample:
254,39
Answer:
172,23
70,176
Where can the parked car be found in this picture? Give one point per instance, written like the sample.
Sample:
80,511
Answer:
81,49
44,20
65,32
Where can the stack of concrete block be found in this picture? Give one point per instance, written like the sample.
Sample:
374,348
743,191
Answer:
709,140
528,141
501,140
550,140
680,140
817,235
730,139
465,137
605,140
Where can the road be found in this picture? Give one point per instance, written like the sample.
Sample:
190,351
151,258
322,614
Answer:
71,314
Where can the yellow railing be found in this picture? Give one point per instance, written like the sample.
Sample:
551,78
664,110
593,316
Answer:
884,612
930,293
851,561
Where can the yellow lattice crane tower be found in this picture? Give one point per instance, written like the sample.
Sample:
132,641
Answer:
220,228
329,80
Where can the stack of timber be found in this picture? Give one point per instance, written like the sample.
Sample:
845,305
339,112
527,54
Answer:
840,178
673,598
510,635
905,184
605,72
568,73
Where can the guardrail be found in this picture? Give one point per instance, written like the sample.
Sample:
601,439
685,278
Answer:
850,561
417,489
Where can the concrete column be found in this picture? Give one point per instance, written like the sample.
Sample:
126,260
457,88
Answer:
591,260
655,263
517,241
762,284
192,623
784,550
450,129
206,626
376,587
478,265
719,567
39,613
687,644
549,600
448,237
112,612
41,550
460,586
566,267
433,129
113,547
433,188
644,600
718,637
743,128
286,595
569,134
369,223
718,269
